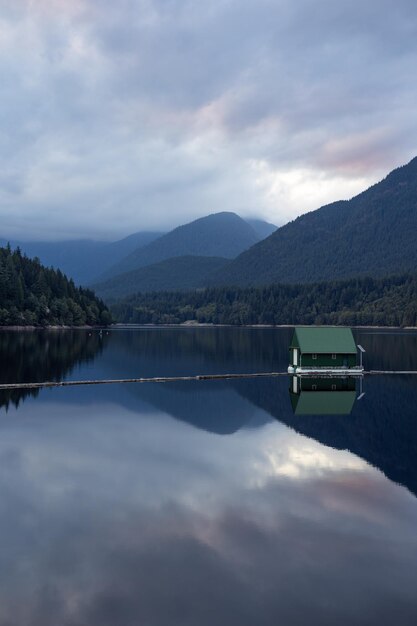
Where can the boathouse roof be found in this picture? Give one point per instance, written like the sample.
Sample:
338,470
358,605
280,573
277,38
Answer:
323,340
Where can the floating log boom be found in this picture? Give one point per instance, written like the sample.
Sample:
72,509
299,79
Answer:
174,379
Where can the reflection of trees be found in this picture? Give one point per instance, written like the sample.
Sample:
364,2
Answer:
384,351
36,356
163,352
382,428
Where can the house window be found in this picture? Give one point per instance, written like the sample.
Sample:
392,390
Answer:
314,387
314,356
334,387
334,357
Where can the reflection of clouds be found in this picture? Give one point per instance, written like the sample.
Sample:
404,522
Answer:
81,448
310,457
128,519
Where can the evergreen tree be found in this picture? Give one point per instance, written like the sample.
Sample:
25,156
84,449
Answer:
31,294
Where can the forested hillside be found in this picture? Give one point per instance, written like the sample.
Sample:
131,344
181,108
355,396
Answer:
363,301
178,273
371,234
31,294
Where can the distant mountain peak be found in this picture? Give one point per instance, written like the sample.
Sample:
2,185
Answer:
222,234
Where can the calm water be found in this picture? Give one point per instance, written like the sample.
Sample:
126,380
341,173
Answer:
203,503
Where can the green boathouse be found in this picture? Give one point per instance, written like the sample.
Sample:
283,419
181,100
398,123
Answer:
322,347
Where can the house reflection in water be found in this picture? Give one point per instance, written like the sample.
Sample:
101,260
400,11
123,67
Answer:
322,396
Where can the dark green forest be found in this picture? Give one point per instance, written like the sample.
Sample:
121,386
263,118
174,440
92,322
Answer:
355,302
33,295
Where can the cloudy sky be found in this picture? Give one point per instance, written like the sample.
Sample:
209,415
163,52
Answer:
143,114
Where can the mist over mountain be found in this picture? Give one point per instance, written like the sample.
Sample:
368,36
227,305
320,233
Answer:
87,261
262,228
218,235
82,260
374,233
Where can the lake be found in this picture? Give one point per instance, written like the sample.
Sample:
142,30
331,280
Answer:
204,502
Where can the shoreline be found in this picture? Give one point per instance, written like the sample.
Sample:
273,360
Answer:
204,325
85,327
121,326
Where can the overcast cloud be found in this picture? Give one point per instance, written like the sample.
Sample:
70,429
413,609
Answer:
143,114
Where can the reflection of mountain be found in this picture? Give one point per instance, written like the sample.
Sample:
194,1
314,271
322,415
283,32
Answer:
213,406
382,428
41,355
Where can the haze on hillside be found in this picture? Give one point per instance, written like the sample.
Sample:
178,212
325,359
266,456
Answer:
218,235
373,234
222,235
124,117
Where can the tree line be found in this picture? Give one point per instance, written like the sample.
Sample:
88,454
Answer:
365,301
34,295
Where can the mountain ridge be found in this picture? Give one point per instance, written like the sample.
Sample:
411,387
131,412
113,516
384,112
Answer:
372,234
223,234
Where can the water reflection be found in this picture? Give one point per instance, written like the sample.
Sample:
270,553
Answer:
112,512
322,396
41,355
382,427
111,519
388,349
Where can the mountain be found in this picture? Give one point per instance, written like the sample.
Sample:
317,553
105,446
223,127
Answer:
261,228
83,260
86,260
372,234
178,273
34,295
218,235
